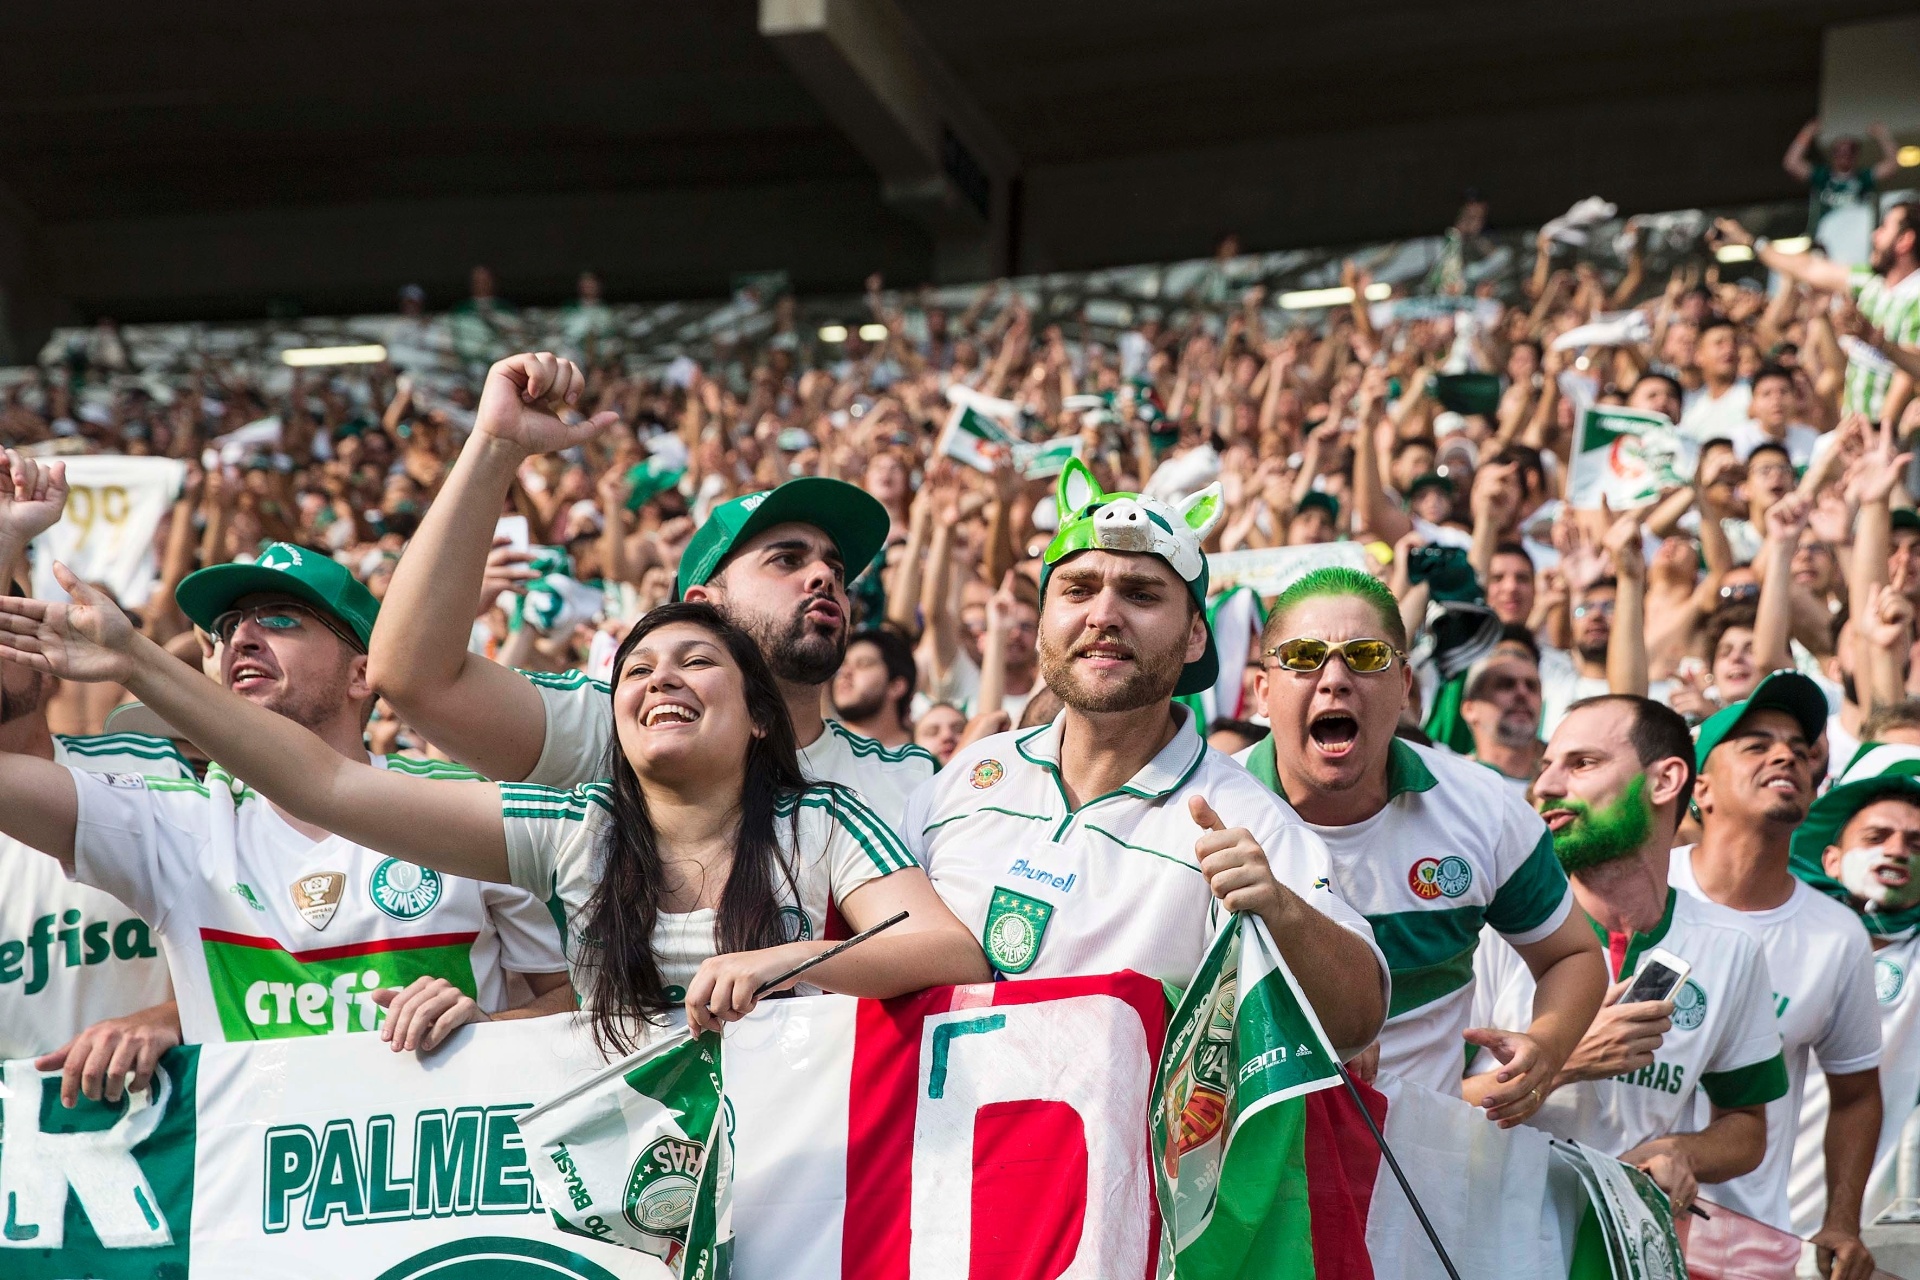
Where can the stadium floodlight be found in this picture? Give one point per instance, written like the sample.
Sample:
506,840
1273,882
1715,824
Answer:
1794,244
873,332
307,357
1734,253
1908,157
833,333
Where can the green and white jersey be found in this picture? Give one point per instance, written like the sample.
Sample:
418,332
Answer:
1724,1048
70,955
580,725
271,934
1896,990
1054,891
1454,849
1822,969
832,842
1895,311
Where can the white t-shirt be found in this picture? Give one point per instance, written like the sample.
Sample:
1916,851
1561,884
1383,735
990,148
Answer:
1799,442
832,841
1822,971
71,956
1053,891
1562,685
1724,1047
1705,417
271,934
580,726
1896,989
1454,849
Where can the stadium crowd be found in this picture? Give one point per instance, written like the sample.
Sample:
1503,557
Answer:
1523,754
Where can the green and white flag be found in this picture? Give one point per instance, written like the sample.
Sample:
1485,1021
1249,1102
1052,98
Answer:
1228,1125
1632,1216
641,1155
1045,461
973,438
1627,458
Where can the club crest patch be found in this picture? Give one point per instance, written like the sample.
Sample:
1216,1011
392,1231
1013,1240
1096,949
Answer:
1015,926
986,773
317,897
1889,978
1432,878
1689,1006
403,890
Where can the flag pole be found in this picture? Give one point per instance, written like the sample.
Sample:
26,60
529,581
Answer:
1433,1237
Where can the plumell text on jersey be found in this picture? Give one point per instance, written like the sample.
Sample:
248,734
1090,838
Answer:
75,945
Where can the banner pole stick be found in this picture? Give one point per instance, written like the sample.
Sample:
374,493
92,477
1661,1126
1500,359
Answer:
1380,1139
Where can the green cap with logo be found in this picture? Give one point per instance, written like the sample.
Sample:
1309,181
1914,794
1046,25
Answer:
852,517
1878,771
281,569
1787,691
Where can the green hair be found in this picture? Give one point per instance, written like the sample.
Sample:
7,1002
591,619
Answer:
1339,580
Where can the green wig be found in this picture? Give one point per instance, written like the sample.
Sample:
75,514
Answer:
1339,580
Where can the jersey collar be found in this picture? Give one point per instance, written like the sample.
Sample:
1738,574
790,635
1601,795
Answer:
1406,771
1639,942
1160,777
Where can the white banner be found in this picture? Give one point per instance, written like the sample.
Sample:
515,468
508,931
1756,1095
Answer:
106,533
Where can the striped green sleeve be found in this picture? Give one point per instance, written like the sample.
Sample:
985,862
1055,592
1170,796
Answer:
857,828
1531,894
1750,1086
527,800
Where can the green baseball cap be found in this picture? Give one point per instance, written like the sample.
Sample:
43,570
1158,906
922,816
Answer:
282,569
853,518
1878,771
1325,501
1787,691
1905,518
1431,480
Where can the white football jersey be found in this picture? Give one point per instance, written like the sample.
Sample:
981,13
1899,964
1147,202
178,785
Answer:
271,934
580,727
1723,1048
1053,891
1822,971
1896,990
70,955
833,843
1454,849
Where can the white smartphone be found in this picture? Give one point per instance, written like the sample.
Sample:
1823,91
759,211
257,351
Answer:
514,530
1659,975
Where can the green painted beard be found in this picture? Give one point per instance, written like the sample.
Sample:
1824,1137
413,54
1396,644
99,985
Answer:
1609,833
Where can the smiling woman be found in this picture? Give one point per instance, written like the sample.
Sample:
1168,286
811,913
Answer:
703,867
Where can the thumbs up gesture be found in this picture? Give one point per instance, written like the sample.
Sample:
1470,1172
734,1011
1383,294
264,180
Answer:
1234,863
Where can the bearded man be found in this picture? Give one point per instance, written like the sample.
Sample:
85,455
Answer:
1115,837
1618,773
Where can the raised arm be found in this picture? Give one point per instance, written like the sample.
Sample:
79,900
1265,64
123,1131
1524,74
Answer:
453,827
1821,273
1773,624
478,712
1795,161
1627,651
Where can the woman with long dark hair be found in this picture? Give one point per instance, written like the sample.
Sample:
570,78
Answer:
703,867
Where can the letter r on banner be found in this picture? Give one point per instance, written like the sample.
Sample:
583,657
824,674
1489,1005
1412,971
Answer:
38,1168
1025,1067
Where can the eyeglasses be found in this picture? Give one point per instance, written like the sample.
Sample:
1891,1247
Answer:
1602,607
285,617
1364,657
1740,593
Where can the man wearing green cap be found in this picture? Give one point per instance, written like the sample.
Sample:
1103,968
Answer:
774,563
1114,838
1860,845
272,927
1756,771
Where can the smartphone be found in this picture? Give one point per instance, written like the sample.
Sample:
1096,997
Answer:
1658,977
514,530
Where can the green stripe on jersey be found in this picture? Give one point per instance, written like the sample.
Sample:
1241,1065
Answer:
530,800
1419,987
144,746
1748,1086
1532,893
875,838
175,784
1413,940
865,746
986,808
566,680
443,769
